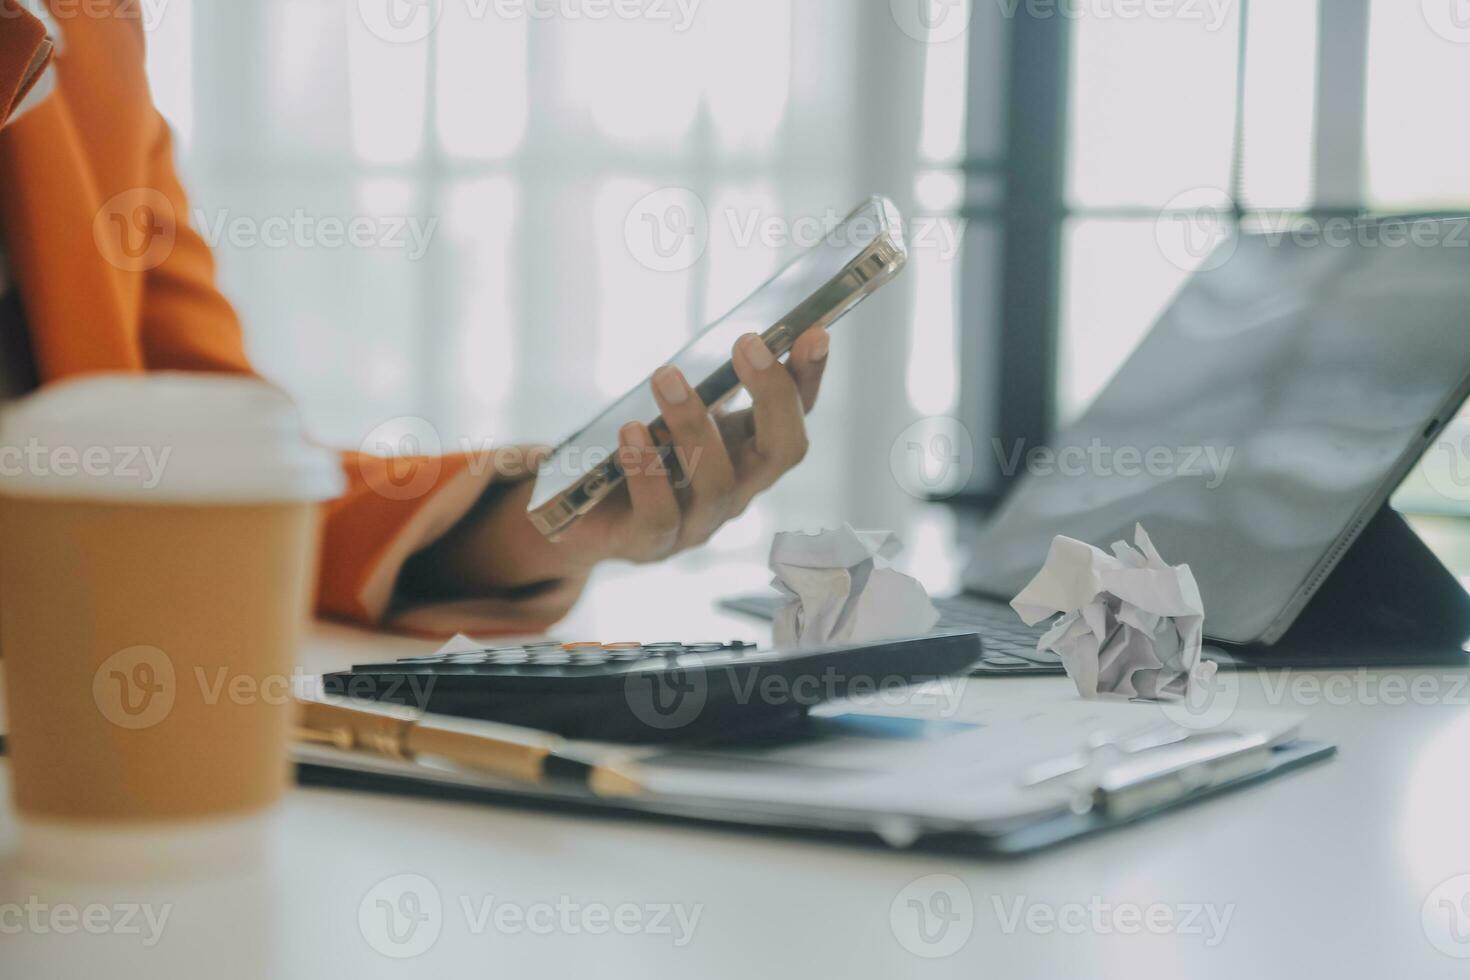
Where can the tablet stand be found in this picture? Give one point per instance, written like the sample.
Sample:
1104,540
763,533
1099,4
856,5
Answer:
1388,600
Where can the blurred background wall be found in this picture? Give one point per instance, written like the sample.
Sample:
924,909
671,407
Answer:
548,196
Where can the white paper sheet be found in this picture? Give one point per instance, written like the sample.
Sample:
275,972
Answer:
459,644
841,591
1130,623
977,767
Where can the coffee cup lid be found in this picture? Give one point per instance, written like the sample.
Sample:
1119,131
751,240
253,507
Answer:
163,438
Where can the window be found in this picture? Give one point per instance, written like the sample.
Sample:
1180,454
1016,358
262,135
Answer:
1175,123
1418,66
552,202
1178,129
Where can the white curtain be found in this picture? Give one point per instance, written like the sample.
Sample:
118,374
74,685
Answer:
430,221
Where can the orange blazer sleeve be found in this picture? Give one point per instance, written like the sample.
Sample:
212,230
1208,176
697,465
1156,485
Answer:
393,508
25,51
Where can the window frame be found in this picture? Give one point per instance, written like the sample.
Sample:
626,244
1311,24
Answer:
1035,212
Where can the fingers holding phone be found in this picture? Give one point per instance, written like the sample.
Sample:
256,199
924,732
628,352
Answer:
718,463
807,364
707,473
777,424
650,527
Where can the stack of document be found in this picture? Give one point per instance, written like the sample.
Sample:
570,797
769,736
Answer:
1006,775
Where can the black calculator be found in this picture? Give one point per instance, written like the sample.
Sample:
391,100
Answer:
647,692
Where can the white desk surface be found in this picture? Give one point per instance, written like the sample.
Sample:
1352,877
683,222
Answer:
1329,872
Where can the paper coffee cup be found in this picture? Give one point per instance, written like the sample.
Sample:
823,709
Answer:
158,554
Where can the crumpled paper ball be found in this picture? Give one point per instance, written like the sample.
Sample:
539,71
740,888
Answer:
1131,624
841,591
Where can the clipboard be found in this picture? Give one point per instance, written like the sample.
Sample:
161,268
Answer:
1080,800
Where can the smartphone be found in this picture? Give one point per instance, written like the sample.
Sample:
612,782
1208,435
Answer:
856,259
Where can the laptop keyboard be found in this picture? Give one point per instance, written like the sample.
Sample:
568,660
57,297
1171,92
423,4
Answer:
1010,645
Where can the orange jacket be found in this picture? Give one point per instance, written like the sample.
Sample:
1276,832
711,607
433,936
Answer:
112,278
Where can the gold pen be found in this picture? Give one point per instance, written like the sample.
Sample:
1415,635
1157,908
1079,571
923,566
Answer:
520,754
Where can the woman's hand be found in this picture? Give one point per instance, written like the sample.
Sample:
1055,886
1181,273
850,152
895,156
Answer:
724,459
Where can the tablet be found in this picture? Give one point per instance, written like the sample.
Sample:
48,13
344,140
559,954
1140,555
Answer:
1262,423
858,257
